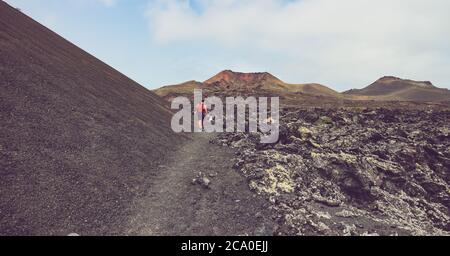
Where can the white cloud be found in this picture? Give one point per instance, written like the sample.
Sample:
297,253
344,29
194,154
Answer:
108,3
346,42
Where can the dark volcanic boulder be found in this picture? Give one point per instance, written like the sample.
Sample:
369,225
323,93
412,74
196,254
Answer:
356,171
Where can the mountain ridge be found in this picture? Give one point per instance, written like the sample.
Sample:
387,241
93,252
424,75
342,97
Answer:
398,89
229,76
387,88
231,81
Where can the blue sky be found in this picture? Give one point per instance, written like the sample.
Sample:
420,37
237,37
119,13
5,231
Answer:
343,44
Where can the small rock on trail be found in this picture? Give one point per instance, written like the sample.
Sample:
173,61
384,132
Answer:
202,180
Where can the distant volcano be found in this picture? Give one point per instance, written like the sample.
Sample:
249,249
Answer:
228,82
230,78
394,88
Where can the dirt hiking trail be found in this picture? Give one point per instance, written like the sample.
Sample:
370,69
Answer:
174,205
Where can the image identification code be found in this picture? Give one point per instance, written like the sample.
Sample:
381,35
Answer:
255,246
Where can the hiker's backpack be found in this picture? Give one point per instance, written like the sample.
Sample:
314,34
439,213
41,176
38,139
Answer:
201,107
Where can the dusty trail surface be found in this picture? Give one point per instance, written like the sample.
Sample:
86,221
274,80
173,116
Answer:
174,205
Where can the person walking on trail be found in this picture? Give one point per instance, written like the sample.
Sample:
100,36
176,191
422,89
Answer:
202,111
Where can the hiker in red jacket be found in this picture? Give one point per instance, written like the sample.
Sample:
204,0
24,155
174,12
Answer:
202,111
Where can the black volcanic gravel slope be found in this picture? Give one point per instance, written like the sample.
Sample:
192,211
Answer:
78,140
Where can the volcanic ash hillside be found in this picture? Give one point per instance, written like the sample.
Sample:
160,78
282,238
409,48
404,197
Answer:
353,172
78,140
